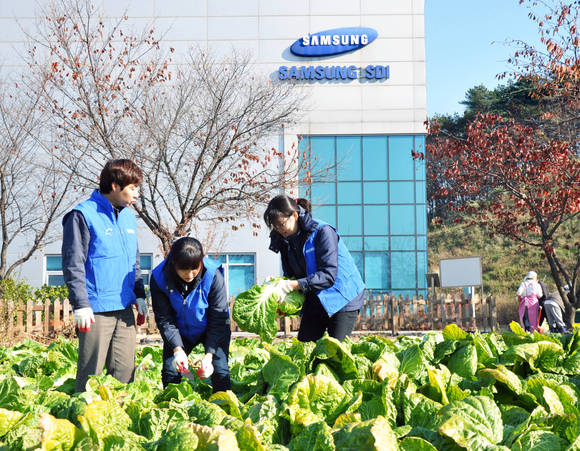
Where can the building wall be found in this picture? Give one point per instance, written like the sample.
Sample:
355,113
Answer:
266,29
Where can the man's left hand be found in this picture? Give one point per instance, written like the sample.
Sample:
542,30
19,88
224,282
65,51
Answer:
142,310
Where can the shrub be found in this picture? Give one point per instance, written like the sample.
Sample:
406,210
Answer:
19,292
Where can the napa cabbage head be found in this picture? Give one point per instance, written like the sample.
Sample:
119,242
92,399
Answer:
256,310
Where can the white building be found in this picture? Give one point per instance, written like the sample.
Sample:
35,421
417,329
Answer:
366,106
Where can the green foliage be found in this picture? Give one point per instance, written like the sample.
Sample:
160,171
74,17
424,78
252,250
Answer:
51,292
20,292
504,261
450,390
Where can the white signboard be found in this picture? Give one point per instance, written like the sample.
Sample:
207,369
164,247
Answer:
460,272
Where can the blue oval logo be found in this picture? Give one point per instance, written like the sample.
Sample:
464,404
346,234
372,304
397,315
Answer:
334,42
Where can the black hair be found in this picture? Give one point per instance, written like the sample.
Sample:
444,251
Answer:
283,206
122,172
185,253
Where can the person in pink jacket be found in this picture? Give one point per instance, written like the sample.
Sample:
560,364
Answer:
529,293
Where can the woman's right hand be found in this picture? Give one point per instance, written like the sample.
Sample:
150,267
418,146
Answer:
180,362
286,286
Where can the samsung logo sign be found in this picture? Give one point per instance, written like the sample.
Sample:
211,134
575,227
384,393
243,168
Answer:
333,42
370,72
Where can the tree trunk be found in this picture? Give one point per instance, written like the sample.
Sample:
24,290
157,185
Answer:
569,315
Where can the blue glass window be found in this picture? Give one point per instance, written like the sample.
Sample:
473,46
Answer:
323,193
420,164
375,157
420,192
403,243
421,220
239,271
376,219
146,261
376,270
376,199
402,192
352,243
376,243
403,270
326,214
349,193
402,219
348,157
376,192
145,278
240,279
349,220
55,280
421,242
422,269
222,258
400,160
322,155
54,262
241,258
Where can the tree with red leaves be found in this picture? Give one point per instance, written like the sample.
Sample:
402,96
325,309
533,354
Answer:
523,181
526,187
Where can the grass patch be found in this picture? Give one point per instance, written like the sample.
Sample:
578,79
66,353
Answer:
504,262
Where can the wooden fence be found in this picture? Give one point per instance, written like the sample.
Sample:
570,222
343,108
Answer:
386,312
379,313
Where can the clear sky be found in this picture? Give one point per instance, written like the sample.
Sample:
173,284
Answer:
465,46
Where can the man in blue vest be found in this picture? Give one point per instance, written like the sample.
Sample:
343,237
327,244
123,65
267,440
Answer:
100,262
190,303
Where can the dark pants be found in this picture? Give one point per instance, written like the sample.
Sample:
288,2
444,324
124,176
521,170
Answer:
109,343
554,316
315,321
220,379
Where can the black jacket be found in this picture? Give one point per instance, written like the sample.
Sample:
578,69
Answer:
294,263
218,318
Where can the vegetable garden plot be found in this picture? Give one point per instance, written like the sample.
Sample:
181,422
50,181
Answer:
449,390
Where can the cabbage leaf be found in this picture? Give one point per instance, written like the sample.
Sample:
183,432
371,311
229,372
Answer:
256,310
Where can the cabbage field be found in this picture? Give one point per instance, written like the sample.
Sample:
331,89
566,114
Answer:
445,391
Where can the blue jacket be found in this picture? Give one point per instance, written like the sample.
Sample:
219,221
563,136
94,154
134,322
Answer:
110,262
348,284
321,263
190,312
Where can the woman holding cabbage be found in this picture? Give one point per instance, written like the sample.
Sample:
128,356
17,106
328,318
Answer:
313,254
190,303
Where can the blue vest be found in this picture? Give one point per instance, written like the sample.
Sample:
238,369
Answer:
191,312
348,283
110,265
